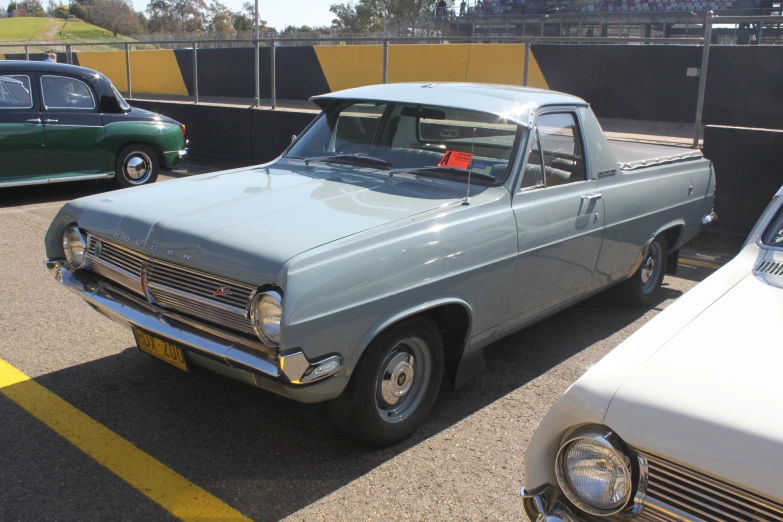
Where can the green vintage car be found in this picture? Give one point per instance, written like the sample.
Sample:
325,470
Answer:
66,123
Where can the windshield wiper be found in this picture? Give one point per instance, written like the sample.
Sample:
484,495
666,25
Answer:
359,160
445,170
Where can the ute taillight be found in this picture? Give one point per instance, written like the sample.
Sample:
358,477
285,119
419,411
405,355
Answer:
184,131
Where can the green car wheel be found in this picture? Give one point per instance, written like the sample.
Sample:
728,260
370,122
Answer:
137,164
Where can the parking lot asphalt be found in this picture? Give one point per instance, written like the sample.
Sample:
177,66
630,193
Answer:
241,449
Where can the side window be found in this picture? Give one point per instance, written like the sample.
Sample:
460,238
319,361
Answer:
60,92
15,92
357,124
555,143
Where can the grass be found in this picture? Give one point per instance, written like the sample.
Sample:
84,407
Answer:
56,31
22,28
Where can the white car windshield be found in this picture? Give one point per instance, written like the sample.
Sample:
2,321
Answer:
773,236
436,141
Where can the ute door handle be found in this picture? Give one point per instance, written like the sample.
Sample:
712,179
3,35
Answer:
34,120
591,197
50,121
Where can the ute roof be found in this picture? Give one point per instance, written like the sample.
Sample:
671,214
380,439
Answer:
511,102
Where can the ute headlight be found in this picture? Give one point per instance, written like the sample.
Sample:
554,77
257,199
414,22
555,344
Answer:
266,311
593,472
75,248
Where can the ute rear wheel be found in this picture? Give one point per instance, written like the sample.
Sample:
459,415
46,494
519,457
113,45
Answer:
394,386
643,287
137,164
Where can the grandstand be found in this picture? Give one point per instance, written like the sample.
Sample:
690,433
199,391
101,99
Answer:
624,18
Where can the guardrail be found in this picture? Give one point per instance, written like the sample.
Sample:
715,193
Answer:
705,42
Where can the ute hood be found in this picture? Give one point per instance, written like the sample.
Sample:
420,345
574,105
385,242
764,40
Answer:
711,397
245,224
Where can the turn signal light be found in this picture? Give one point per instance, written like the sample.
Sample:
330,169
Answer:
184,131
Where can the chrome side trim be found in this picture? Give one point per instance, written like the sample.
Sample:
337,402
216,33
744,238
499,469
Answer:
102,175
23,183
674,158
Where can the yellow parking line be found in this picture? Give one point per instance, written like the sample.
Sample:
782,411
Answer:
172,491
703,264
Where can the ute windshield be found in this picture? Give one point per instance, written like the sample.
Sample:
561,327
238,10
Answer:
439,142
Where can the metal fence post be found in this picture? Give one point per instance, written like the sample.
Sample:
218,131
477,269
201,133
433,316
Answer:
705,59
195,73
258,75
386,61
26,54
127,70
274,76
527,61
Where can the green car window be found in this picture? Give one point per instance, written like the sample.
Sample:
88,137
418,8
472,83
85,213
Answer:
61,92
15,92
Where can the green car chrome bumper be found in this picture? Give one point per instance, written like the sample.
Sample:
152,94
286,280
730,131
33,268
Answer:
207,346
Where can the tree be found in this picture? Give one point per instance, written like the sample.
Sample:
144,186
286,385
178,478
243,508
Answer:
115,15
244,20
78,11
177,16
220,19
369,15
61,11
31,6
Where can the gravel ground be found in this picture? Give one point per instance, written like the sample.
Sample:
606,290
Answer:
266,456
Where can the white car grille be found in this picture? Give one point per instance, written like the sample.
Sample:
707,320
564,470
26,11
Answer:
196,294
676,493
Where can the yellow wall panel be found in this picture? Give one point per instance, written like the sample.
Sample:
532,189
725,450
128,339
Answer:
347,66
428,63
152,72
503,64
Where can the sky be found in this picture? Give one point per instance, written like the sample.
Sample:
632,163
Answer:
279,13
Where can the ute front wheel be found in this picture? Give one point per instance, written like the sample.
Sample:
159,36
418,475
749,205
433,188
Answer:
394,385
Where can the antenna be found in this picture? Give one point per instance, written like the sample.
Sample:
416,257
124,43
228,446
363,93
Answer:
472,146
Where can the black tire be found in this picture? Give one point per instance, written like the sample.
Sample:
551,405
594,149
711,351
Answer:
137,164
362,413
641,290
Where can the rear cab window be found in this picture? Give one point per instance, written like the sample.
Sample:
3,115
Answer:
15,92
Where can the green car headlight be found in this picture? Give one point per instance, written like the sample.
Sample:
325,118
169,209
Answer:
266,312
75,248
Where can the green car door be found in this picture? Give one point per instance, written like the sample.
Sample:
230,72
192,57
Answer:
22,157
73,129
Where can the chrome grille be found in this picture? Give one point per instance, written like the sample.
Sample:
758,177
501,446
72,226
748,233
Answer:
118,264
676,493
202,296
770,267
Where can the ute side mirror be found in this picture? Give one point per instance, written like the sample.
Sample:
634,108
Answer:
293,138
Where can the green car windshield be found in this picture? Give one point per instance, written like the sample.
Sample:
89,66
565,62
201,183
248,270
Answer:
415,137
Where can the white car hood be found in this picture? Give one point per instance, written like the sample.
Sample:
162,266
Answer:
711,397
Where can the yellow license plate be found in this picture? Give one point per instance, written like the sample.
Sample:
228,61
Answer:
163,350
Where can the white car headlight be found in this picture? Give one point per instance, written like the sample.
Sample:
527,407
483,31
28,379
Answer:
75,248
266,311
593,472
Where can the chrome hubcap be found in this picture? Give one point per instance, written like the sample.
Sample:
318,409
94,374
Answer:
397,378
650,268
137,168
403,379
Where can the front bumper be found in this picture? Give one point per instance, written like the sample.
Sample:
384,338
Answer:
287,373
543,505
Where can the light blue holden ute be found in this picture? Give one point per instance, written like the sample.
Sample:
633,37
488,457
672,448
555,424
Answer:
408,227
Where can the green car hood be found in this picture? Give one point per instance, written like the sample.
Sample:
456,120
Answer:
245,224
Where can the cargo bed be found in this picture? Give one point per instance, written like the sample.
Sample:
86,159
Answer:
635,155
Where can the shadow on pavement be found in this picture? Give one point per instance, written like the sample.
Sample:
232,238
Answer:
268,456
